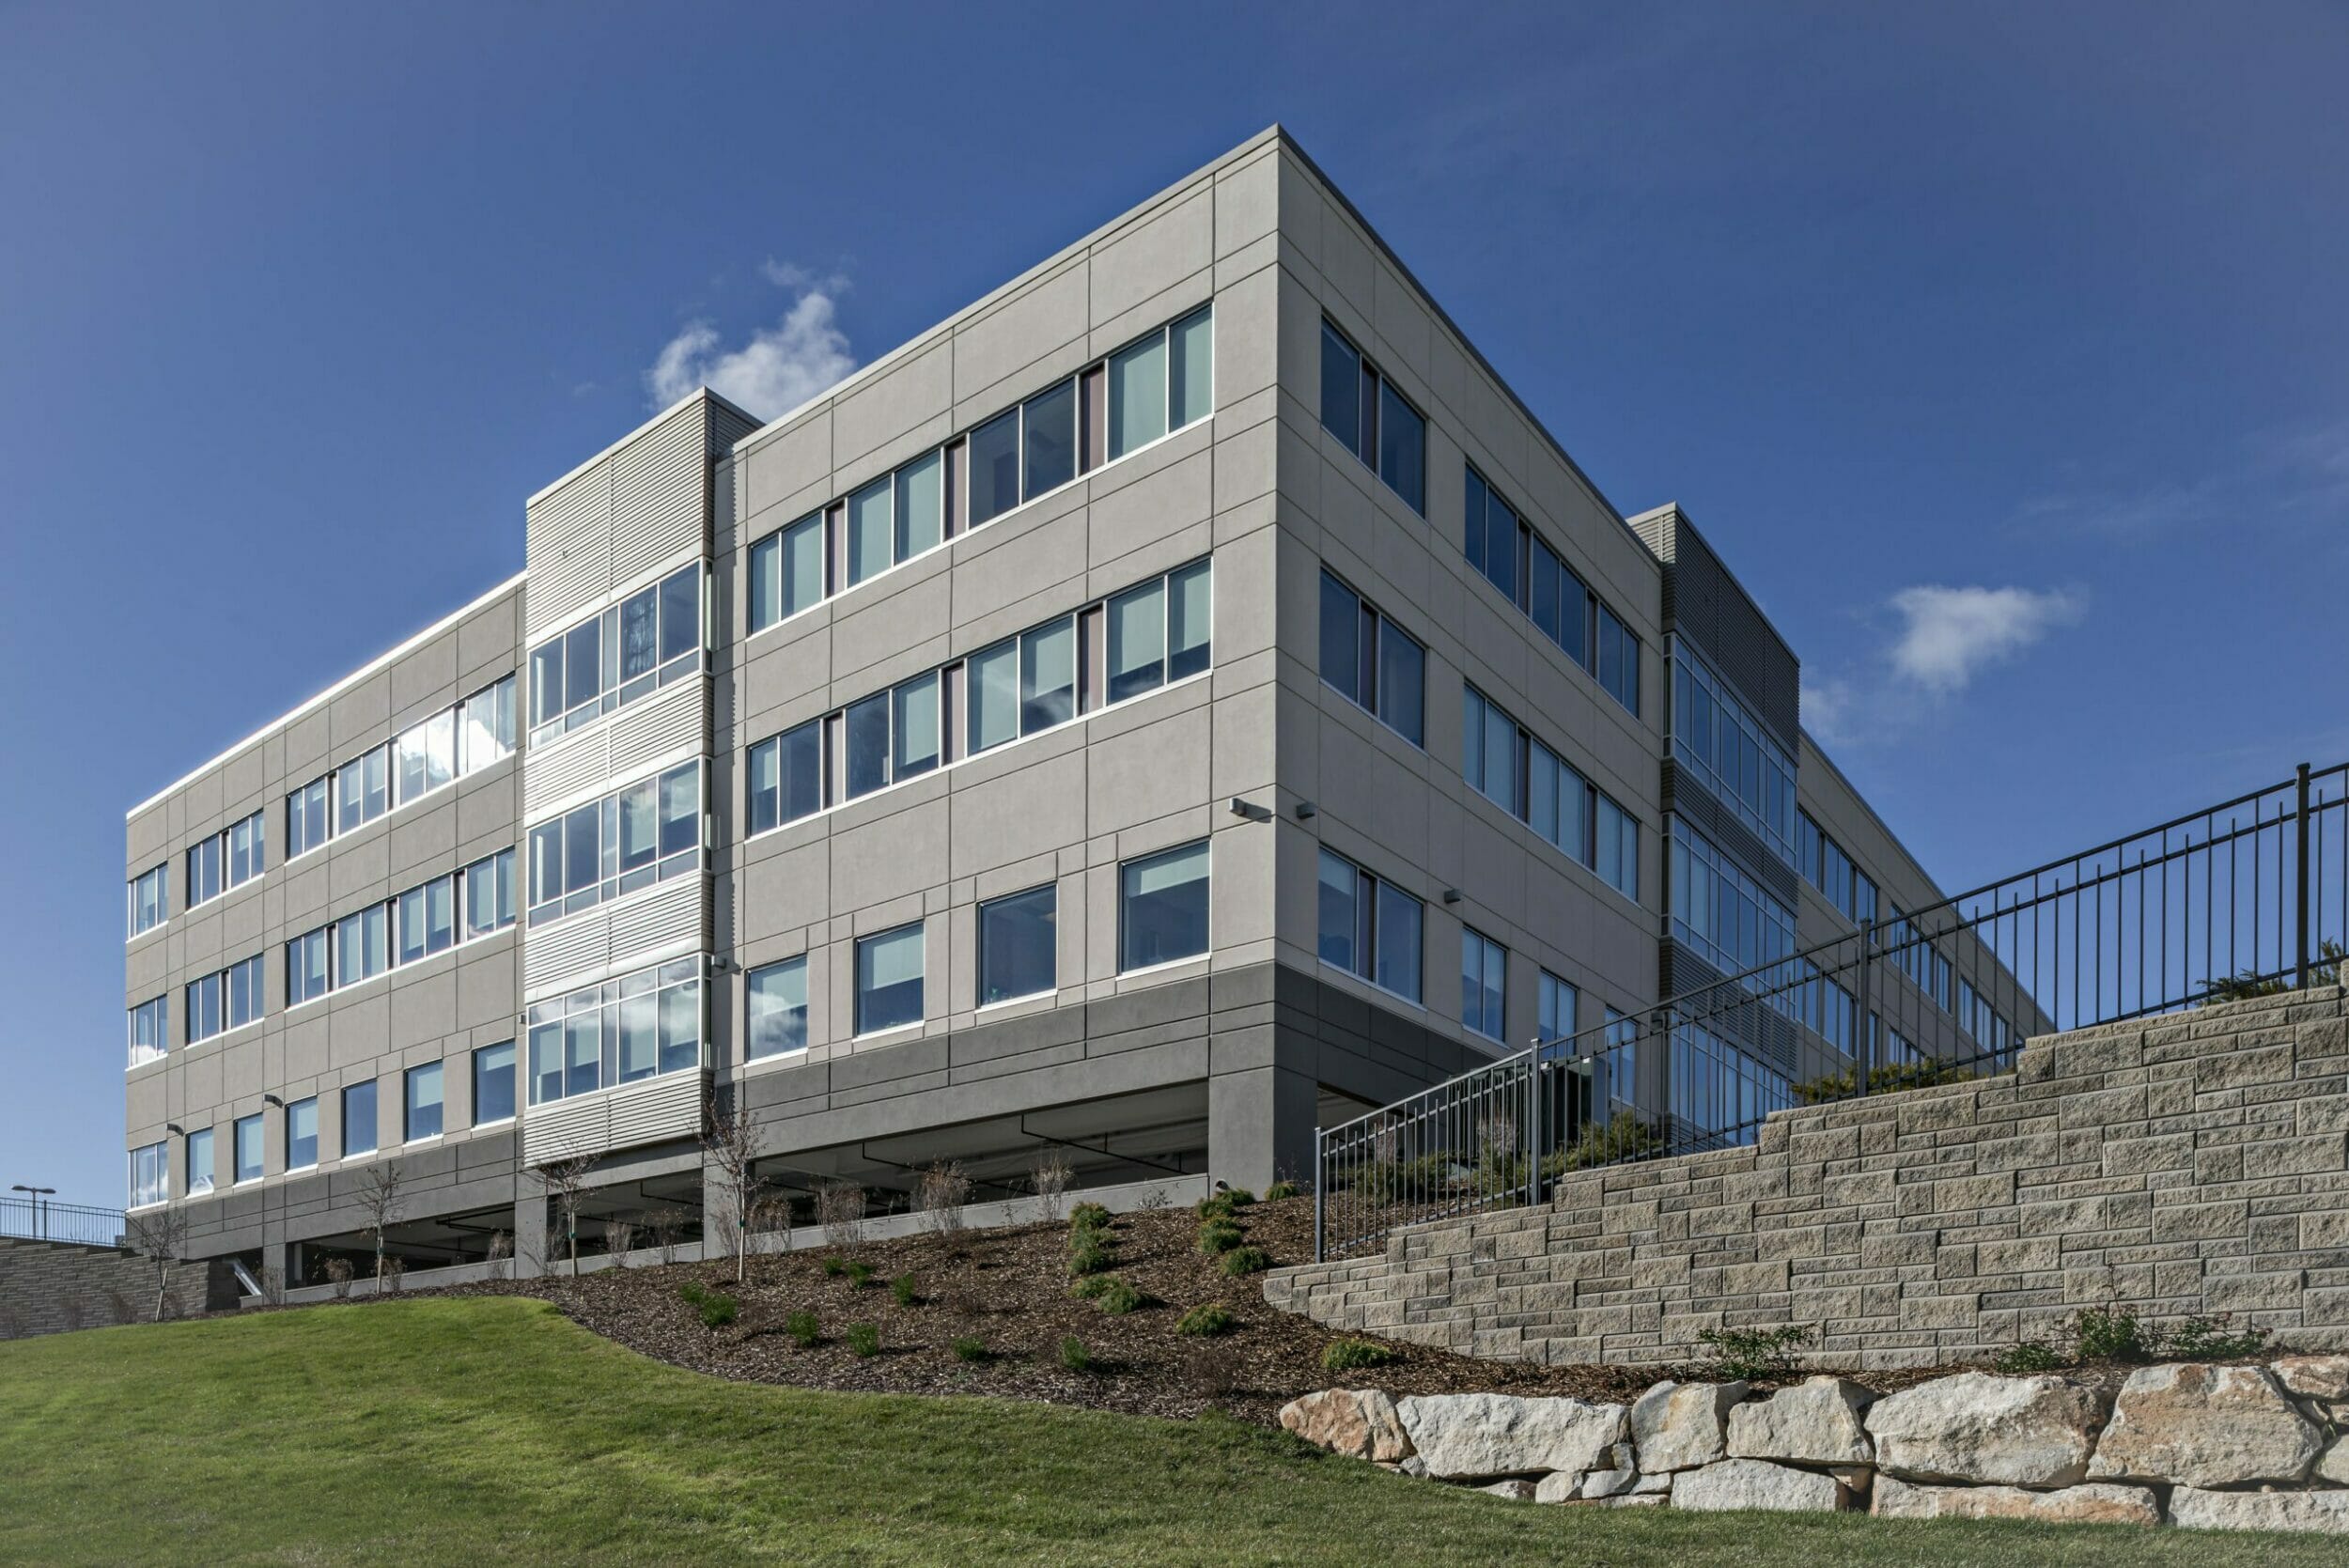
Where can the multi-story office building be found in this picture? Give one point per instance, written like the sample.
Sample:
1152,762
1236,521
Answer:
1183,698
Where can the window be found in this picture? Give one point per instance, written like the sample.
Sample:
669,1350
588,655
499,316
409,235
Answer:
428,919
920,513
1162,908
425,757
308,824
1156,633
632,649
995,468
1049,441
1375,664
1719,1089
1017,950
871,536
631,1028
199,1162
306,974
228,859
1618,659
150,1174
1363,411
485,727
1721,911
228,999
1489,750
359,1121
778,1008
1484,983
1162,383
494,1083
1616,850
302,1134
148,895
1047,675
248,1149
361,945
889,980
151,1031
421,1113
489,894
639,835
1490,538
788,572
1725,748
1369,927
787,777
203,882
1556,801
1559,1002
363,789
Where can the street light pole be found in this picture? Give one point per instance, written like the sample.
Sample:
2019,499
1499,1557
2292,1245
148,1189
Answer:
40,1232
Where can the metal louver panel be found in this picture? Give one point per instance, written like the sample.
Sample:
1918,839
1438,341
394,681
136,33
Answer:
651,1111
551,956
564,770
659,495
570,549
661,925
657,726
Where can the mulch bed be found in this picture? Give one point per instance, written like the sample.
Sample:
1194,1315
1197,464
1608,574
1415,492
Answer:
1010,1288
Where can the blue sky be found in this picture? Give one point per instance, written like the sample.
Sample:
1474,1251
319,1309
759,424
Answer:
2002,349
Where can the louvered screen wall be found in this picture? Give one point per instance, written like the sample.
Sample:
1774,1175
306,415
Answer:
596,944
617,749
642,502
649,1111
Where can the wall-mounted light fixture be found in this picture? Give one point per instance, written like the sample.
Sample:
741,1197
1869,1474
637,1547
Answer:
1452,895
271,1099
1250,810
1305,811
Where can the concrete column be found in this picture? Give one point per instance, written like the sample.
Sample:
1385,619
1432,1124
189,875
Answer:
1260,1126
531,1240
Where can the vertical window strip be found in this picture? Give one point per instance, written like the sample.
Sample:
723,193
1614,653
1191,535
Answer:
1504,546
1360,407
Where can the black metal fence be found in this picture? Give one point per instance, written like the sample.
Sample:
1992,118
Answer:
39,1220
2247,896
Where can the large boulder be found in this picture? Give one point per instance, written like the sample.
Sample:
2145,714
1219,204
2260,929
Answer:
1618,1472
2206,1427
1821,1420
2326,1512
1979,1428
1678,1426
1360,1422
2332,1465
2324,1377
2096,1503
1753,1483
1461,1436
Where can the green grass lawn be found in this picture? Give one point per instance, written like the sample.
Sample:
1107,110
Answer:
468,1431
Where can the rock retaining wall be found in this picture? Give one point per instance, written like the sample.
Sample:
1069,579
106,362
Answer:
2217,1448
2196,1164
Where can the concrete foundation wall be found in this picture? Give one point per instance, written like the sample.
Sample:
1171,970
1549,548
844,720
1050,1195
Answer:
49,1287
2190,1165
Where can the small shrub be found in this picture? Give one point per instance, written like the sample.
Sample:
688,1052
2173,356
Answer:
1092,1285
1621,1136
803,1327
1073,1354
1245,1260
1118,1297
1205,1321
1218,1236
1353,1355
716,1307
1279,1190
1224,1205
835,1267
864,1340
2203,1338
1088,1255
1882,1081
338,1275
860,1275
2029,1357
970,1347
2112,1336
1742,1355
1089,1216
901,1290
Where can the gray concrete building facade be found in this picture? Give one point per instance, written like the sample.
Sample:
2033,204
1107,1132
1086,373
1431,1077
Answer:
1182,699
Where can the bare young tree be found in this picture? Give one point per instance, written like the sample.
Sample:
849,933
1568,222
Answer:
162,1235
732,1141
666,1225
383,1197
338,1275
501,1258
565,1181
619,1239
939,1193
1051,1178
840,1210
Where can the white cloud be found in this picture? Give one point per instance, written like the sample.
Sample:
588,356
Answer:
1828,705
778,369
1950,634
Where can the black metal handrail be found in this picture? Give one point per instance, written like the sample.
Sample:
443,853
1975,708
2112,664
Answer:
39,1220
2248,896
